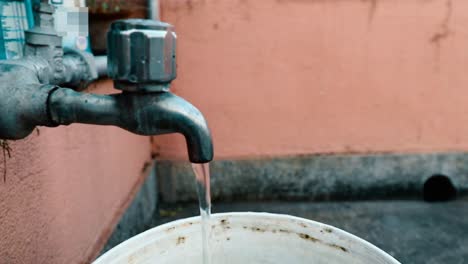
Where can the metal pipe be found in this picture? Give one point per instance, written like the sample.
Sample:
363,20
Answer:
26,103
23,103
140,113
154,10
101,65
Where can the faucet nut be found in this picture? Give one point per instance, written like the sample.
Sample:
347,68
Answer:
141,55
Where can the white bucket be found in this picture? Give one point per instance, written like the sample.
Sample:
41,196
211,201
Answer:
247,238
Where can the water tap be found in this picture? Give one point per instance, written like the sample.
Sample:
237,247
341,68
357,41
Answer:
142,63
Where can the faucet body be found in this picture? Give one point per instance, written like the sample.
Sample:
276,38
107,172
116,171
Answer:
140,113
142,64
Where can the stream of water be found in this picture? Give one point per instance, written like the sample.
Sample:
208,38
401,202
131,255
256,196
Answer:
202,177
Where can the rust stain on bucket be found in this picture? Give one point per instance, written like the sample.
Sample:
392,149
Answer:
338,247
180,240
307,237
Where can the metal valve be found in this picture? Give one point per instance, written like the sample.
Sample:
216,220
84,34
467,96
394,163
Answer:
141,55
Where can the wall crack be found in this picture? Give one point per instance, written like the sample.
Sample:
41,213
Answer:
6,150
443,31
372,10
444,28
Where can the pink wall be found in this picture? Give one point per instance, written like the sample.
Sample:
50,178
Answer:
287,77
65,190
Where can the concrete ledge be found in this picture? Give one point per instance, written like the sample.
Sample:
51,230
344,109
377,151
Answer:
316,177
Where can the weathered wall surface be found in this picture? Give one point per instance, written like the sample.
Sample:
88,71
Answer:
288,77
65,189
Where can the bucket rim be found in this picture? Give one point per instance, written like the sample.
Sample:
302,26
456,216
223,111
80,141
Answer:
135,241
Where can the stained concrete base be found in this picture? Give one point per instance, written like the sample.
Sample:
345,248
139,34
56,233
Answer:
414,232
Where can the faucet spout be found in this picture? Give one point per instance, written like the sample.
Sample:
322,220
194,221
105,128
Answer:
140,113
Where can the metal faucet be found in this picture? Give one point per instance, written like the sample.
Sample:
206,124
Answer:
142,62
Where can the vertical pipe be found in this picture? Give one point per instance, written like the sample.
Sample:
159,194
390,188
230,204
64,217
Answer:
153,9
29,13
101,65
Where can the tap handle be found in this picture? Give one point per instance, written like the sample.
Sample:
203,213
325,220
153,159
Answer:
141,55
